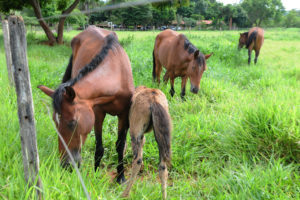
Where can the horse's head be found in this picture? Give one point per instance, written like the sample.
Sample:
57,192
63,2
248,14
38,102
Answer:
243,40
74,119
196,67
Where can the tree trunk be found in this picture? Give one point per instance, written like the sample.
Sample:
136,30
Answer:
259,22
60,29
37,11
230,23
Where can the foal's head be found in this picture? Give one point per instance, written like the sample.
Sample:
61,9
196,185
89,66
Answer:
196,67
74,119
243,40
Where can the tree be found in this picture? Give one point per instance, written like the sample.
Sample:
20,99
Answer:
228,12
259,11
163,16
137,15
185,11
292,19
189,22
65,6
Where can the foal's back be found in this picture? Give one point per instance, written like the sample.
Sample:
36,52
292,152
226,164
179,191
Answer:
140,111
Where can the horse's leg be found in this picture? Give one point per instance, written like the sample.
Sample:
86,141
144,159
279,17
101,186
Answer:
183,84
99,118
163,175
249,54
137,143
166,77
256,56
158,70
120,144
172,91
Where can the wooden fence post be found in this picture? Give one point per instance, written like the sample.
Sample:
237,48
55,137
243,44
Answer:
7,51
18,46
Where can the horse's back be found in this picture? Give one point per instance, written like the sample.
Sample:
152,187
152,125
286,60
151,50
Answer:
167,47
112,76
259,37
86,45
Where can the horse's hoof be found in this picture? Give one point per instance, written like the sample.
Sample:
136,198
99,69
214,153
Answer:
121,179
125,195
172,92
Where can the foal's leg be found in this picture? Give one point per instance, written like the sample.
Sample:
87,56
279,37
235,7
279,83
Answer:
120,144
249,54
183,84
166,77
163,175
256,56
158,70
172,91
99,118
137,143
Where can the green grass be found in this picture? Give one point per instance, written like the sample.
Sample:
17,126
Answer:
238,138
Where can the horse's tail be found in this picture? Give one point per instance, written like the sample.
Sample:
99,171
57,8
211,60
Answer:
154,66
68,72
251,38
162,131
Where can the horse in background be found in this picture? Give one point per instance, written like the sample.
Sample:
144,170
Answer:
97,81
149,109
253,40
180,58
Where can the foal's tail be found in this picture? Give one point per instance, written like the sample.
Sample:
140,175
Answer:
251,38
153,72
162,131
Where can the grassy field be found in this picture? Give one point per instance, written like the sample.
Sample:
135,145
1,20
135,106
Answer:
238,138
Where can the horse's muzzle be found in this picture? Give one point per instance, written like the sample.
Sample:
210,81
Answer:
194,90
66,161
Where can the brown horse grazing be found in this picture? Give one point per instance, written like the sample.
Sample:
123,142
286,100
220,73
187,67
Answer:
253,39
181,59
98,80
149,109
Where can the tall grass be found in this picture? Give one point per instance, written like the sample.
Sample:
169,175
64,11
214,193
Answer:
238,138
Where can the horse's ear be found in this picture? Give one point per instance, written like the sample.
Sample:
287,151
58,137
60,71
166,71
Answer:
70,92
46,90
196,54
208,55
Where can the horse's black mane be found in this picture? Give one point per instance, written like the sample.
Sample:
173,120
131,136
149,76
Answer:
68,73
251,38
111,41
190,48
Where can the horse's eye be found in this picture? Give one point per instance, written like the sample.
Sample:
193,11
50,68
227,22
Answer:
72,124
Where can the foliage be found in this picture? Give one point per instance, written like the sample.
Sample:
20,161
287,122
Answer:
292,19
137,15
163,16
261,10
6,5
189,22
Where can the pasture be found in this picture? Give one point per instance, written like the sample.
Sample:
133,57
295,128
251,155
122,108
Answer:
238,138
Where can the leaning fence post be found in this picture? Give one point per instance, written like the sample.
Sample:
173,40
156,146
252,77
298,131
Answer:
7,51
18,46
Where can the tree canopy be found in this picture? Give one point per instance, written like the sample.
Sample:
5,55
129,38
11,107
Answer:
261,10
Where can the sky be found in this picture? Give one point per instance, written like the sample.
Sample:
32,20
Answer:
287,4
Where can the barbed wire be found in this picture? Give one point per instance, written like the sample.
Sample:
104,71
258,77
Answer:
104,8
